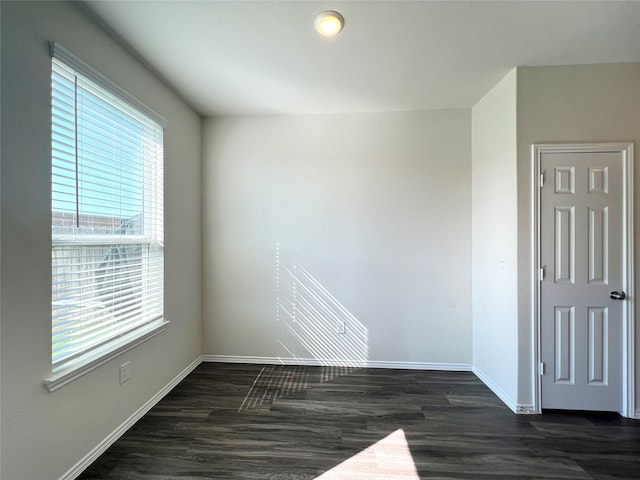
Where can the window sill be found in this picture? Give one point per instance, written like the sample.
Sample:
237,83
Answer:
85,364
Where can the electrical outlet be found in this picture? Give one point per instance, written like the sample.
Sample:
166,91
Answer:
124,372
341,327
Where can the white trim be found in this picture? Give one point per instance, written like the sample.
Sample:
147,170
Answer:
453,367
457,367
628,335
500,393
628,369
87,363
636,415
535,291
244,359
99,449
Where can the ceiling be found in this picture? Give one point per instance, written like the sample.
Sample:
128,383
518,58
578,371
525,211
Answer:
264,57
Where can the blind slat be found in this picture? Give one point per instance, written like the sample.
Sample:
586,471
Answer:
107,213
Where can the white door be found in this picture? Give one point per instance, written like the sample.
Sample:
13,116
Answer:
581,290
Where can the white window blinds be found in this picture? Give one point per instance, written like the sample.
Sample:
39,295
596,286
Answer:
107,213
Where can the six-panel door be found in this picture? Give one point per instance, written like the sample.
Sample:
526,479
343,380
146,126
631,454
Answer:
581,254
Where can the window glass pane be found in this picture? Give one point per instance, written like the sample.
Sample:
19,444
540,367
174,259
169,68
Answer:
107,255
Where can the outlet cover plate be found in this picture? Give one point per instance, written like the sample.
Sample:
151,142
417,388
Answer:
124,372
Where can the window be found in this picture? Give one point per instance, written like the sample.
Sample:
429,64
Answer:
107,215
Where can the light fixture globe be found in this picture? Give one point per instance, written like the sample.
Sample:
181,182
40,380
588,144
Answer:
329,23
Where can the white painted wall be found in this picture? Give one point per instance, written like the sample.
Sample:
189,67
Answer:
45,434
494,239
375,206
588,103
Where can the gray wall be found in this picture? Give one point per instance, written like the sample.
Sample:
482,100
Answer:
375,207
373,211
494,239
45,434
588,103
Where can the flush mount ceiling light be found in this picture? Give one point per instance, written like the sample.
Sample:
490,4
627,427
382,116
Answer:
329,23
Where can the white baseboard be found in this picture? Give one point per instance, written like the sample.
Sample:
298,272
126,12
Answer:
458,367
454,367
636,415
246,359
501,394
99,449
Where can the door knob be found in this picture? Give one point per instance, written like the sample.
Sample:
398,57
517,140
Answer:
617,296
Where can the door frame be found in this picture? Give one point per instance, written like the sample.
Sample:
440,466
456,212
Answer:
628,330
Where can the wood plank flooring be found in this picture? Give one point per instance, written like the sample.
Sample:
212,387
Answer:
229,421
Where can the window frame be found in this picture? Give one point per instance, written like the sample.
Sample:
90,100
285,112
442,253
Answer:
65,371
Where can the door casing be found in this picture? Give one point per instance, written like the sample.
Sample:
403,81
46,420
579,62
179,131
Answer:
625,149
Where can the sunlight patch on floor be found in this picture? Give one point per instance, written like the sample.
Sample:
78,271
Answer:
388,459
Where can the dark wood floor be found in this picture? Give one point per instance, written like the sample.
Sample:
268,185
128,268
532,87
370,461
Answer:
301,423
